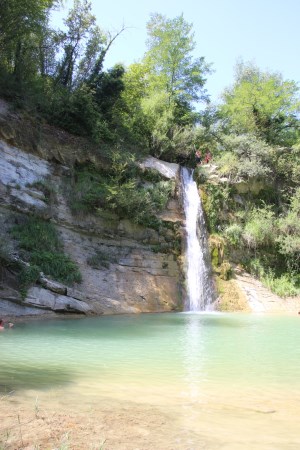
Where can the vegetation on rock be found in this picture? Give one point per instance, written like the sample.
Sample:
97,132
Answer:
252,198
41,247
122,189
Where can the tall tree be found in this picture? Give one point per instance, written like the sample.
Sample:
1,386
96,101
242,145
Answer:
161,91
22,26
170,59
263,103
81,34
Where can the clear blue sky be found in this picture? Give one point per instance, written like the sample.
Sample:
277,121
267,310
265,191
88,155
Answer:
263,31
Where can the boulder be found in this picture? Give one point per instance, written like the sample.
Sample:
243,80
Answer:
166,169
42,298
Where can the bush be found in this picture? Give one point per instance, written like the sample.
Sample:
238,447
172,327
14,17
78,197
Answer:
101,259
228,165
119,190
283,286
57,265
47,188
5,258
234,233
200,175
260,229
32,232
42,249
225,270
289,237
250,156
215,202
28,276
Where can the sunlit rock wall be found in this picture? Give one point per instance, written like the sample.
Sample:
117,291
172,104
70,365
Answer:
137,279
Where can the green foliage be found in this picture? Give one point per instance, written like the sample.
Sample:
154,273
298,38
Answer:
284,285
225,271
42,248
233,233
46,187
160,91
60,75
249,157
215,201
28,276
22,26
120,190
172,67
5,258
101,259
289,233
228,163
260,229
151,175
82,40
288,165
264,104
200,175
31,232
57,265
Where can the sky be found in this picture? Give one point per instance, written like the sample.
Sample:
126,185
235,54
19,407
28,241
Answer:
264,32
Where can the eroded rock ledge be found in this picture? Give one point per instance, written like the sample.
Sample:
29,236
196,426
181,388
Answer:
138,279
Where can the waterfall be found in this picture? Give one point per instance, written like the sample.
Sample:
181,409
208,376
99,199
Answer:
200,290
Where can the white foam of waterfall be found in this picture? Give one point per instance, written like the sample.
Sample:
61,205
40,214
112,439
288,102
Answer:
200,291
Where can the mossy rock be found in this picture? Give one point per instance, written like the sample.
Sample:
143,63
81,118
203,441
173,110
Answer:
231,297
225,270
217,248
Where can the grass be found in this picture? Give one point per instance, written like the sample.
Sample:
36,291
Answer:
101,259
46,187
42,248
5,258
283,286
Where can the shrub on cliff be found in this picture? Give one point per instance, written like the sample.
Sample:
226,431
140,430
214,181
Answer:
121,190
260,229
41,246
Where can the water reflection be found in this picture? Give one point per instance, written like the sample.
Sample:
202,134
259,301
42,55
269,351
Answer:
193,356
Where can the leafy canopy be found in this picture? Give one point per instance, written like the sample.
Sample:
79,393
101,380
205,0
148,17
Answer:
262,103
170,58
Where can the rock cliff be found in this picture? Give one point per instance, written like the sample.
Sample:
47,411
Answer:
139,276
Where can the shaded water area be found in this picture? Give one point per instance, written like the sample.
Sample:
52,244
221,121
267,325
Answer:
157,381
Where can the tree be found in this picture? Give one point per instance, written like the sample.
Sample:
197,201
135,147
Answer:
161,90
171,62
85,46
82,39
22,29
264,104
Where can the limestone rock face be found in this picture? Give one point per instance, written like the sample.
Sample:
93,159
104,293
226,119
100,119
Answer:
136,278
166,169
43,298
19,173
